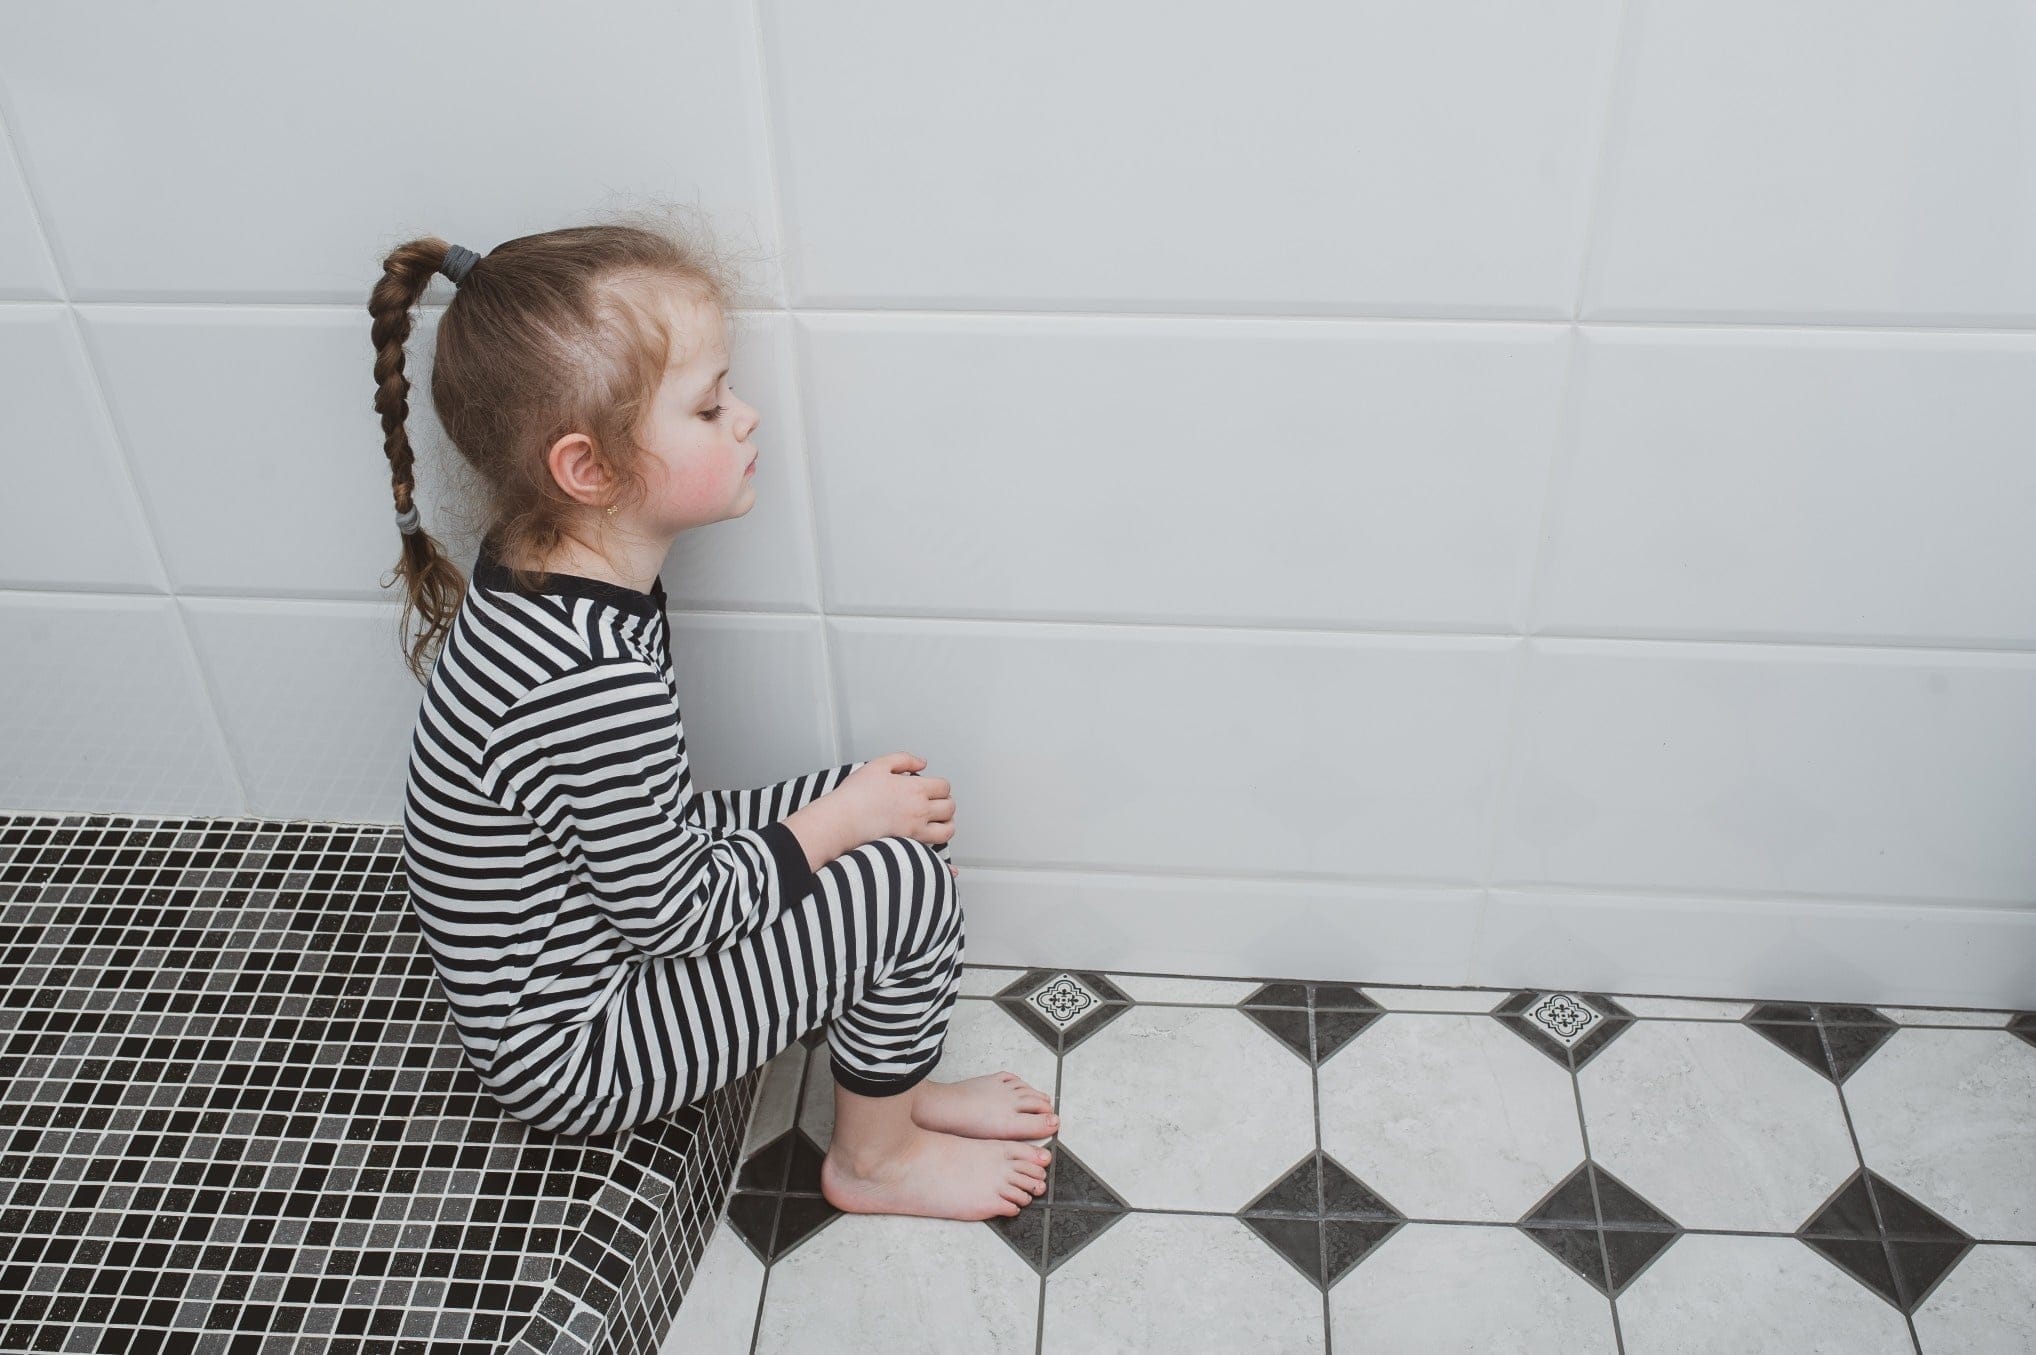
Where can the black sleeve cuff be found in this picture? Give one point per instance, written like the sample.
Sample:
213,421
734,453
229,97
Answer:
794,874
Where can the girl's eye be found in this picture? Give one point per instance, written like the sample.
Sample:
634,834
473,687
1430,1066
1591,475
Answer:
713,413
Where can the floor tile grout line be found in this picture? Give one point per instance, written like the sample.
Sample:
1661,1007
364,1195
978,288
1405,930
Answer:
1576,1092
1321,1187
1887,1245
784,1179
1045,1203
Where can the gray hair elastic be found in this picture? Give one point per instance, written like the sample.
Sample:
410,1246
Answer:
459,261
406,521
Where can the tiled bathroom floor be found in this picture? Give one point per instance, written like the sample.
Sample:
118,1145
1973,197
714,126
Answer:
1271,1167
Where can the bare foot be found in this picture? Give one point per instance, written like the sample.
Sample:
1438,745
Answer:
940,1176
994,1106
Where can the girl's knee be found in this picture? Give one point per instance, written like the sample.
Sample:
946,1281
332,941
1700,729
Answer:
926,859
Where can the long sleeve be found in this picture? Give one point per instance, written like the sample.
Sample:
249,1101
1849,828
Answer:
718,810
592,757
757,806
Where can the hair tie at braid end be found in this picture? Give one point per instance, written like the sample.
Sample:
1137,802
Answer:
406,520
459,261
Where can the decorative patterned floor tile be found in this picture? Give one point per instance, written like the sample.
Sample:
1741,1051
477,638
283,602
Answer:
1062,1007
1570,1028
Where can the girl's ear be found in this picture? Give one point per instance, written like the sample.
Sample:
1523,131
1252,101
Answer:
578,469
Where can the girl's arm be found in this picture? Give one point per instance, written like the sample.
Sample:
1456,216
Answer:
592,758
719,810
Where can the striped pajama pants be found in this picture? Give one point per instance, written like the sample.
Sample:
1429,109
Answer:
873,949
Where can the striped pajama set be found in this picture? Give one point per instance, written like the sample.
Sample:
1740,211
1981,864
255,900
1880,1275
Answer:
615,942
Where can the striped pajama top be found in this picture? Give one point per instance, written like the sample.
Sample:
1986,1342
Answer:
552,835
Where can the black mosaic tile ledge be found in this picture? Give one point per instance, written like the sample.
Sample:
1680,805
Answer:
234,1117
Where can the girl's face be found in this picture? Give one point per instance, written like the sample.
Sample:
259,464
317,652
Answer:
698,433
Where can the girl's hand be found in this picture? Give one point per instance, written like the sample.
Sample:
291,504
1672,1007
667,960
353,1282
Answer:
890,799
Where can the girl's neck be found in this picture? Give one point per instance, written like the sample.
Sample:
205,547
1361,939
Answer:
625,559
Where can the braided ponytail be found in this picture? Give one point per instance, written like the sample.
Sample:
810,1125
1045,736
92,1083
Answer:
433,585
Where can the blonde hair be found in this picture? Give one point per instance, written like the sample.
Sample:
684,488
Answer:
548,334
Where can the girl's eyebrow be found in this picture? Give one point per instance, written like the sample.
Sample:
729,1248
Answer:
708,389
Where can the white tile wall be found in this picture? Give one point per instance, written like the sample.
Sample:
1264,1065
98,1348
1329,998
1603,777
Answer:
1411,493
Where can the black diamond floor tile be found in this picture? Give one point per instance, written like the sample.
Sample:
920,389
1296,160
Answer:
1620,1206
1070,1230
1864,1259
1921,1266
1348,1241
1312,1019
1297,1192
1779,1024
1848,1213
1851,1035
1629,1252
1344,1196
1577,1248
1905,1216
1298,1240
1571,1202
1292,1027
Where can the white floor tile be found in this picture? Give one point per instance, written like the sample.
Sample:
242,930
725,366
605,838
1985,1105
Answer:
1715,1126
1950,1117
1169,988
1186,1107
1708,1294
718,1314
889,1284
1986,1306
1436,999
1450,1117
1442,1290
1185,1284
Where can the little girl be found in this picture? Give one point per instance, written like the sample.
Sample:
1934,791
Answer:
615,942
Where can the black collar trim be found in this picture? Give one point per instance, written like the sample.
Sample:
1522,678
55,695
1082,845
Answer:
491,573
